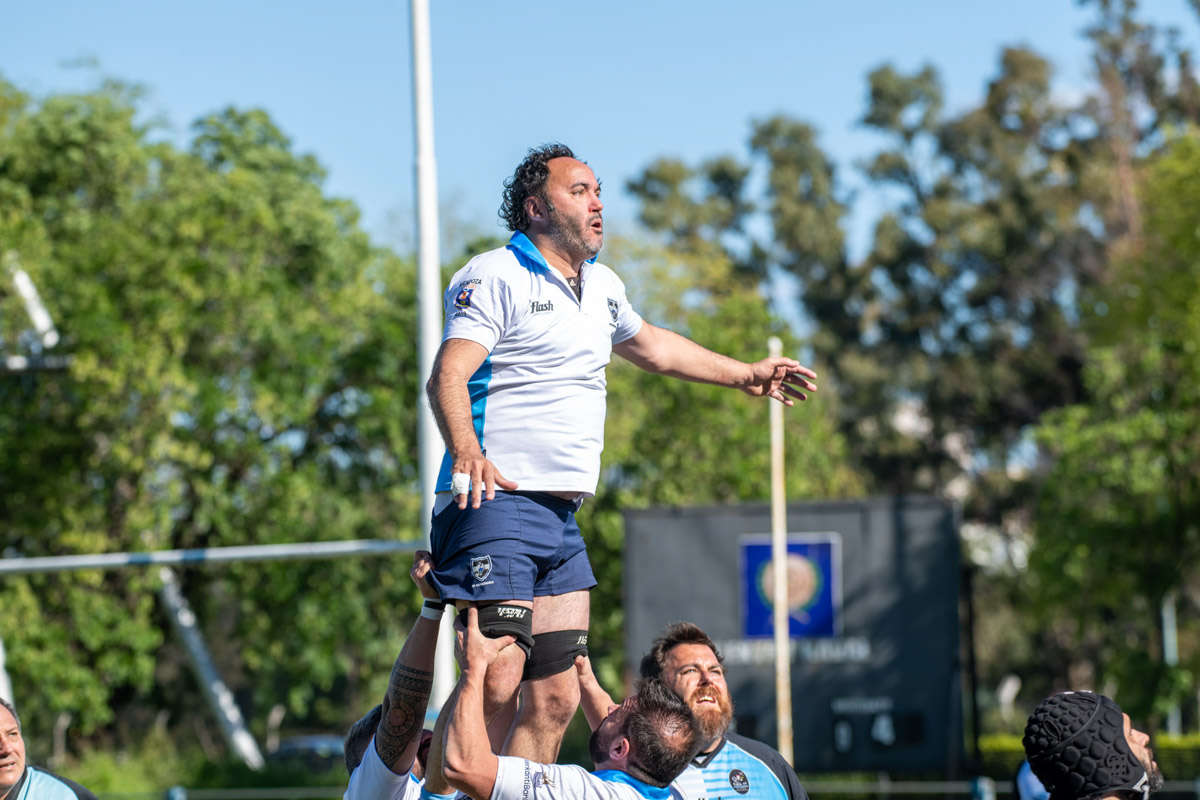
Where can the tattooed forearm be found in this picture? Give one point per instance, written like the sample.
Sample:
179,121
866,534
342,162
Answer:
403,711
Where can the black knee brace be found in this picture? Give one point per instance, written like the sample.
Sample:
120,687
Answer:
554,652
502,620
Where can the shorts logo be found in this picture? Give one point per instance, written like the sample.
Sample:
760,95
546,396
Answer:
481,567
739,781
612,308
463,298
582,640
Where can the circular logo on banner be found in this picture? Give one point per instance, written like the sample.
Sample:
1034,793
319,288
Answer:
804,584
739,781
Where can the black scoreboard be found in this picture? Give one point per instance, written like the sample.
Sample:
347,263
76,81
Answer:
873,589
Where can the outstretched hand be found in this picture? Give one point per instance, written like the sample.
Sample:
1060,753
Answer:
782,379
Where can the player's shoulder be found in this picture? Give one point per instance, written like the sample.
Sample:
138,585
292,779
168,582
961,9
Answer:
498,262
47,785
753,746
372,779
773,760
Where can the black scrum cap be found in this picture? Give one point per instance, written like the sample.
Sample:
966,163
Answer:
1075,743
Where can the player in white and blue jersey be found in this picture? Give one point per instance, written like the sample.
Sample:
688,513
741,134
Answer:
518,391
728,766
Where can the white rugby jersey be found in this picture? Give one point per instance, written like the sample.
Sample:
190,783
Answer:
538,400
372,780
520,779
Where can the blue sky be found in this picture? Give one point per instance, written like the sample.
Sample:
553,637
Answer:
621,82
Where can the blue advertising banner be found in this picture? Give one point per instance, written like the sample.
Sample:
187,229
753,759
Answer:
814,585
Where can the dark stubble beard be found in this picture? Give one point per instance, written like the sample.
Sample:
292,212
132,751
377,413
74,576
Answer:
1156,776
572,237
713,721
598,751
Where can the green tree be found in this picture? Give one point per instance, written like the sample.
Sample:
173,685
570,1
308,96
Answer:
243,373
998,219
1117,523
963,325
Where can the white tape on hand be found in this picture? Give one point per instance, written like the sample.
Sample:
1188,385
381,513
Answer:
460,483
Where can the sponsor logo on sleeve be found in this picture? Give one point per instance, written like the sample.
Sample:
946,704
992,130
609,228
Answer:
613,305
463,298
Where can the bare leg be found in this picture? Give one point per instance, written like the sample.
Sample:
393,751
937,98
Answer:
547,704
500,725
502,682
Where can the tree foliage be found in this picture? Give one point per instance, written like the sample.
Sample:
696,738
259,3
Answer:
242,373
964,325
1117,522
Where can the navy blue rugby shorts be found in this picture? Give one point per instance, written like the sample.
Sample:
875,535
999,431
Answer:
518,546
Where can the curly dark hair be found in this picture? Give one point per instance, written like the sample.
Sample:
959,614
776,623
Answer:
529,180
675,634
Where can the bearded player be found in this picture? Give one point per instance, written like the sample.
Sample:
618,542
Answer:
687,661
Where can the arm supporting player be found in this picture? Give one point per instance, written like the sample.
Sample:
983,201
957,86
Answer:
593,699
664,352
469,764
399,731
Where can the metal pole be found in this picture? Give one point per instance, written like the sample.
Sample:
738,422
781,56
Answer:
783,668
1171,657
429,305
220,699
209,555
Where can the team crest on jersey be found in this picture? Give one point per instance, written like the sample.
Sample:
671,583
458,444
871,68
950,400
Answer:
739,781
481,567
463,298
612,308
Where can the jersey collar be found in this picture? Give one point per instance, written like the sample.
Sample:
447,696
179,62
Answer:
15,792
528,254
704,759
644,789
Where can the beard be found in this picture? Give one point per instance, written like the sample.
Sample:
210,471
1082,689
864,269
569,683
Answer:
597,750
571,235
1152,771
714,721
